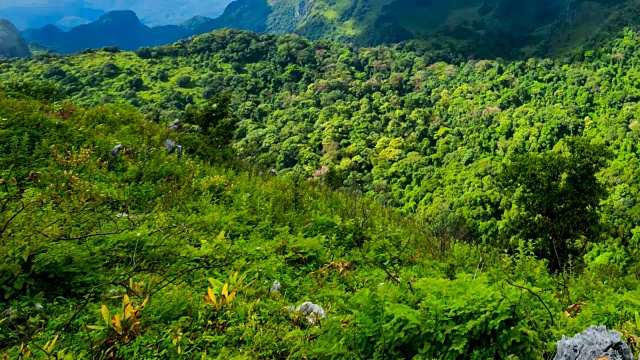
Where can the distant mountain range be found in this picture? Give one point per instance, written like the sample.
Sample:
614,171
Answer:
70,13
467,28
116,28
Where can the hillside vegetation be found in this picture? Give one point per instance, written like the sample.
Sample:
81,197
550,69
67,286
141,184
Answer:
478,210
146,255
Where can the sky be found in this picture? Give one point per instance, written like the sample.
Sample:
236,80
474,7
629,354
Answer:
37,13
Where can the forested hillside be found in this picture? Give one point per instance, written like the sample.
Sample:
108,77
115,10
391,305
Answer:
480,209
425,137
458,28
111,247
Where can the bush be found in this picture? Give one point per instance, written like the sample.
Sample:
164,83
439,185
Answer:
184,82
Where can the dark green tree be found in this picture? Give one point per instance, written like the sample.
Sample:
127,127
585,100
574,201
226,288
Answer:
184,82
555,198
217,124
35,90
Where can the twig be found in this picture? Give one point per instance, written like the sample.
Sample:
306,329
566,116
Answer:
77,312
4,228
86,236
537,296
478,268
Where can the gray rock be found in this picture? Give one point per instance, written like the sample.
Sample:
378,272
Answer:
116,151
172,148
312,311
593,343
170,145
175,125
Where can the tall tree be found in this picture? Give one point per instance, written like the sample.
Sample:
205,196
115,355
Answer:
218,125
555,198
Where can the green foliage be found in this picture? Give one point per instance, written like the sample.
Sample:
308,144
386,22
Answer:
217,126
183,82
104,256
34,90
404,202
556,198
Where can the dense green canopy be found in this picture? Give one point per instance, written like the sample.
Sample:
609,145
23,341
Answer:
433,210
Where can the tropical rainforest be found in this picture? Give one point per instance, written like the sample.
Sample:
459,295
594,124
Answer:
241,195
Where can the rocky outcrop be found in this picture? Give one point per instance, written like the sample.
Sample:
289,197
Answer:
312,312
173,148
11,42
594,343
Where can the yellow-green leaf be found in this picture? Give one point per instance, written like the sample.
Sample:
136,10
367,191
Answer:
212,297
49,347
105,315
225,290
231,296
128,311
94,327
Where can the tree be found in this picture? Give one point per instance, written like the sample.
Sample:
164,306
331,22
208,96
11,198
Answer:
217,124
144,53
555,198
36,90
183,82
135,83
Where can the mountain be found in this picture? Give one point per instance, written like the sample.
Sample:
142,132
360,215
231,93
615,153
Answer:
11,42
480,28
163,12
116,28
125,30
453,29
27,14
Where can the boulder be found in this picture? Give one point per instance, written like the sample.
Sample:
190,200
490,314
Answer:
175,125
172,148
116,151
311,311
275,288
594,343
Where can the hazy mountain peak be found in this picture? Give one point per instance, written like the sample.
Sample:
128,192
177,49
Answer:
120,17
11,42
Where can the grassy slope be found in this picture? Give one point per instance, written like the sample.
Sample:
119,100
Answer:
433,145
189,226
